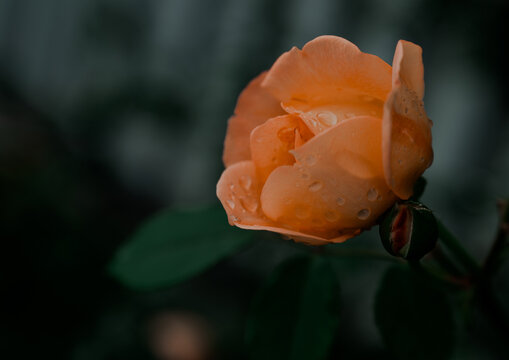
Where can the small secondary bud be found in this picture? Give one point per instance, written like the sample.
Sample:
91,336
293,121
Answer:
409,230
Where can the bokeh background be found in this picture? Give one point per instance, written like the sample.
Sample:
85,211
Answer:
112,110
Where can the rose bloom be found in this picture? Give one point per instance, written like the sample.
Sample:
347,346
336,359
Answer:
326,141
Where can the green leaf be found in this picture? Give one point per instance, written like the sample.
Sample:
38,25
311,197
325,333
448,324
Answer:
174,245
413,315
295,314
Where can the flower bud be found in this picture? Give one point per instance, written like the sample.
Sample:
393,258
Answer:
409,230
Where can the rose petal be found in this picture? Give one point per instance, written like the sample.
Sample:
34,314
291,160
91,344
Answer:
407,67
407,150
303,237
319,117
239,189
272,141
336,185
326,69
254,106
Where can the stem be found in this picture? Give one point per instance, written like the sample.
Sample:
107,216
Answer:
450,241
496,253
492,307
486,293
457,283
446,263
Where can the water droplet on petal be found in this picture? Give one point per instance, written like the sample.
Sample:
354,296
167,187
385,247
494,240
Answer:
363,214
234,218
310,160
331,216
296,155
340,201
407,133
367,98
327,118
231,204
245,181
249,204
372,194
286,135
315,186
304,175
301,212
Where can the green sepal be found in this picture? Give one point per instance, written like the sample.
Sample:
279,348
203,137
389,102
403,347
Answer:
409,230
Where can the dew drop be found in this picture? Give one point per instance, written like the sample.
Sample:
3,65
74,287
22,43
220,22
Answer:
234,218
341,116
296,155
304,176
301,212
231,204
340,201
367,98
315,186
408,135
372,194
363,214
249,204
246,182
310,160
232,187
286,135
327,118
331,216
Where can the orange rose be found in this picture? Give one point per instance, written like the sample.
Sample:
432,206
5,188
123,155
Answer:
326,141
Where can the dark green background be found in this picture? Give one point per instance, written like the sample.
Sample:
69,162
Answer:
112,110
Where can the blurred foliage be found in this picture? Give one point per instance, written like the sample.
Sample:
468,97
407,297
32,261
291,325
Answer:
175,245
414,315
61,218
112,110
296,313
